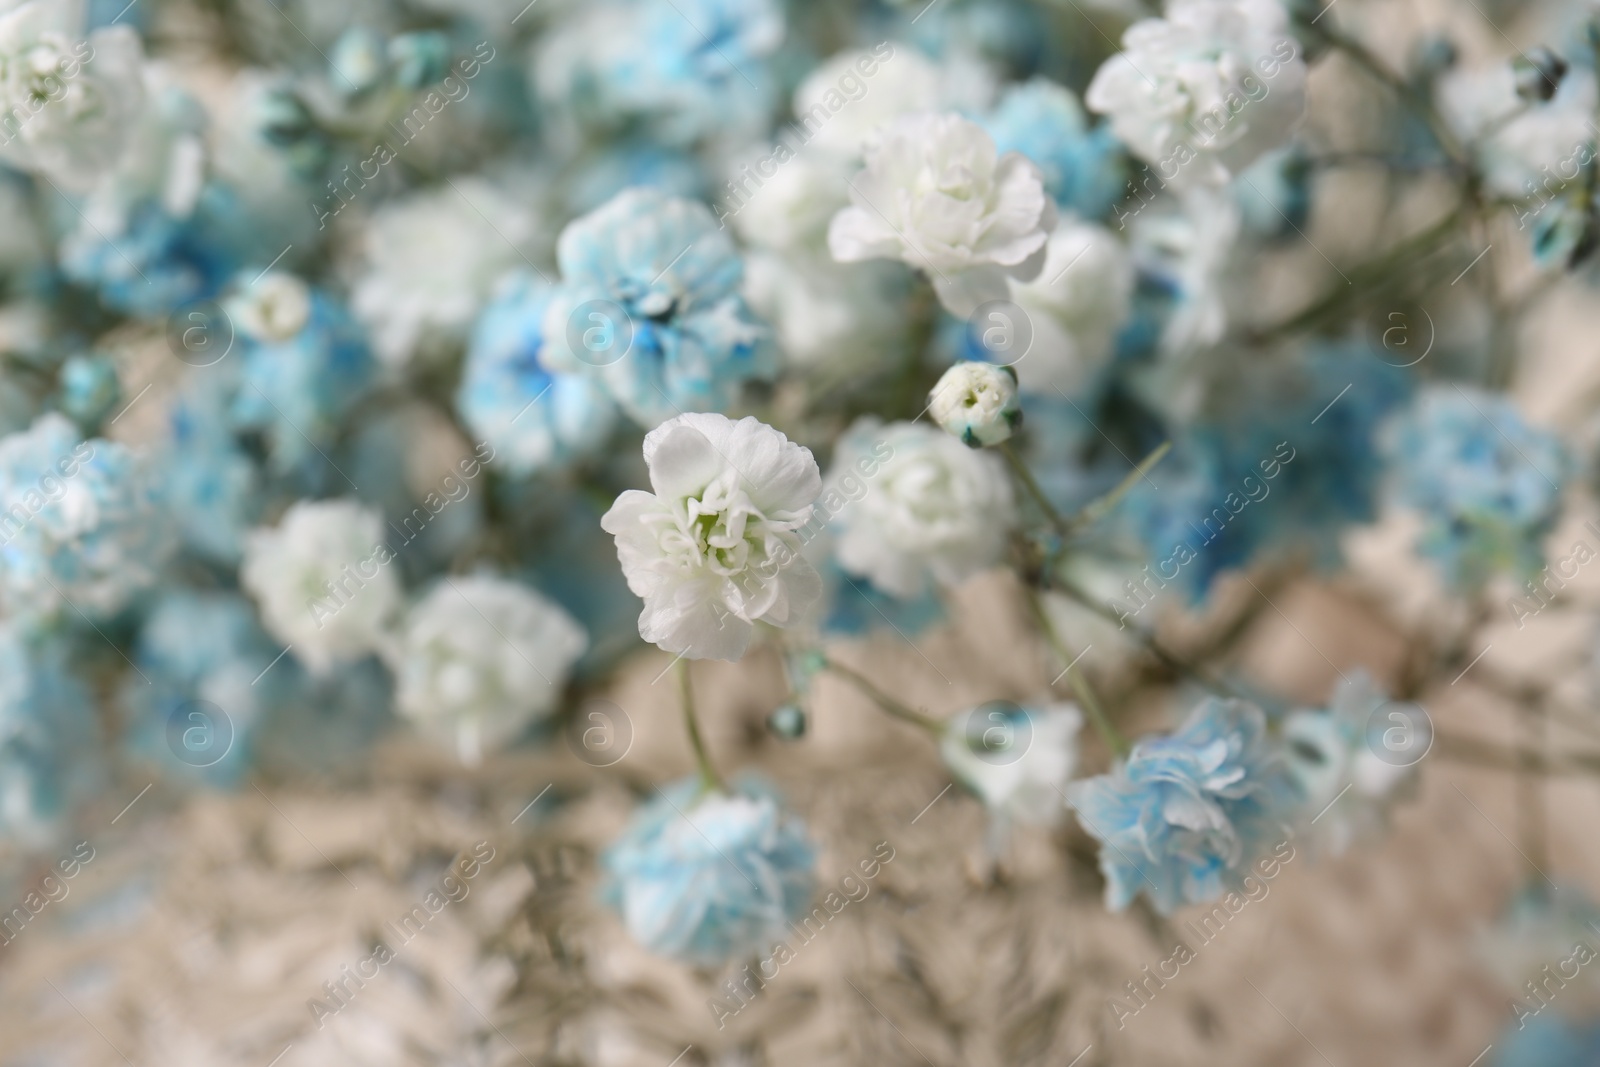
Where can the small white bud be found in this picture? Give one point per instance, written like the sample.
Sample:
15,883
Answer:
977,402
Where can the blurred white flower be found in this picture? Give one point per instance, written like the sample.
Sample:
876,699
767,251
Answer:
848,96
1539,152
790,209
1018,760
1075,307
272,309
432,261
850,316
1186,242
713,549
938,196
977,402
934,508
68,101
479,658
322,582
1205,91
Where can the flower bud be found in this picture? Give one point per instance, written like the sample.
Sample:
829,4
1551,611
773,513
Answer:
1538,73
977,402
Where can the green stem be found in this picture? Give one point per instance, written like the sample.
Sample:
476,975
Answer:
1080,685
1096,509
710,781
888,703
1025,478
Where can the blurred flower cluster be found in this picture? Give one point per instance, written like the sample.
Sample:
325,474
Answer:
419,362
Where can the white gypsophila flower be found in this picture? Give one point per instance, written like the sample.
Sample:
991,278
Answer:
1186,242
977,402
68,102
844,315
790,209
479,658
937,195
273,308
1074,308
714,548
432,261
1207,90
933,508
1018,760
322,581
848,96
1536,153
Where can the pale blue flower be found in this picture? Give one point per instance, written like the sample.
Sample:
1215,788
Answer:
1487,483
211,485
1084,166
47,736
709,877
81,522
1184,816
684,339
89,387
201,686
531,417
297,389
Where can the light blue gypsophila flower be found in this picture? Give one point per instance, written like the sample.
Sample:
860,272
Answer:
155,264
47,735
1184,816
201,658
676,71
708,877
686,340
1084,166
211,485
531,417
81,522
1488,484
299,382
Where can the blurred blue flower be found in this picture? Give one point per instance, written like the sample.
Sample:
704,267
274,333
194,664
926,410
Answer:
531,417
89,387
1487,483
194,708
684,339
1085,168
156,264
1274,194
299,380
710,877
81,523
48,747
1548,1040
211,485
1184,816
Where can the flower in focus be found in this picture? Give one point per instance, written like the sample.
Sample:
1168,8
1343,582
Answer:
532,417
976,402
69,98
931,508
714,548
1487,483
1075,308
1184,816
81,522
432,260
710,877
1084,169
1204,92
1330,752
321,580
479,658
1017,760
685,340
937,195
